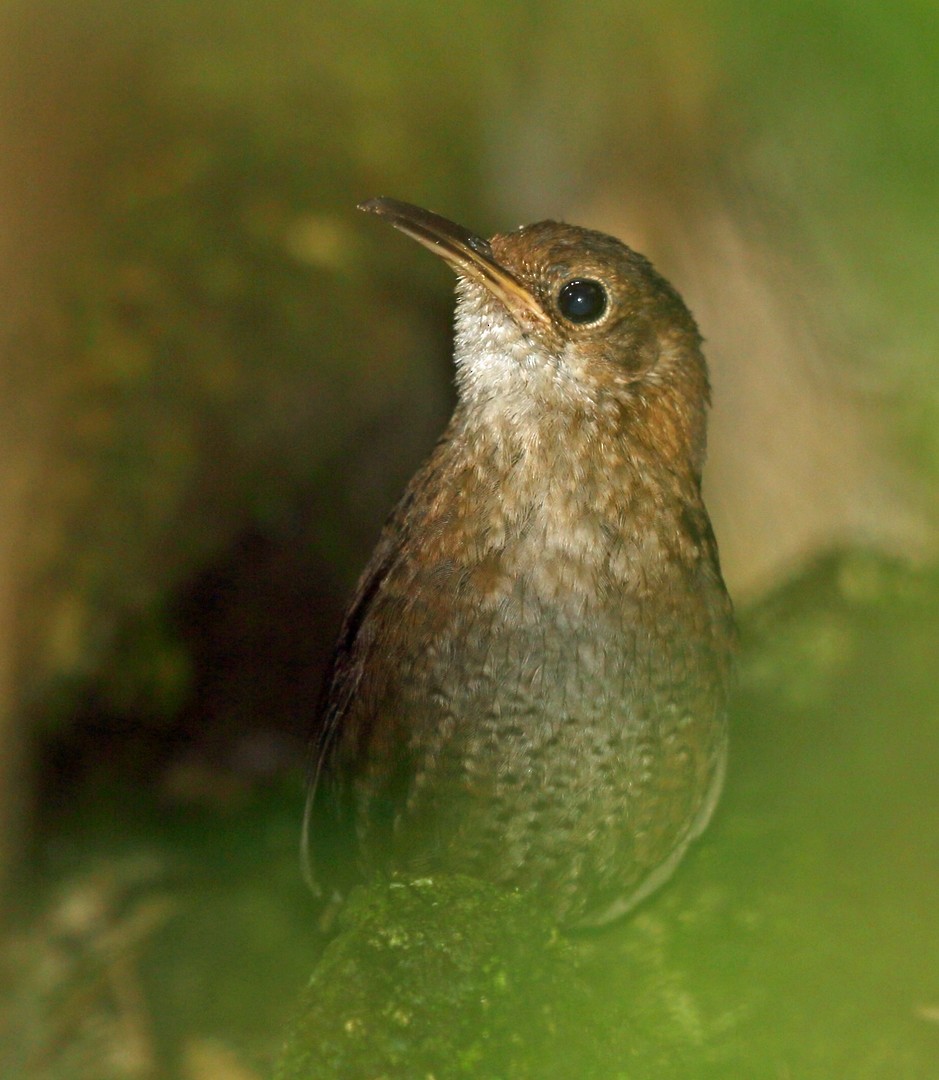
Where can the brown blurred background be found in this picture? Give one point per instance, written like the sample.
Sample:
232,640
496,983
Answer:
216,377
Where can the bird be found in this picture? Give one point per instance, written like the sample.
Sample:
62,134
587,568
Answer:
531,684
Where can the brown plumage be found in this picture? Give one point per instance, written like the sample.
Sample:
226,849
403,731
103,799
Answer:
531,682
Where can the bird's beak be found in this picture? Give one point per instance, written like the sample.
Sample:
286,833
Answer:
470,255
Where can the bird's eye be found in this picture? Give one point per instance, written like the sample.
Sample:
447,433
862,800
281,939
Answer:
582,300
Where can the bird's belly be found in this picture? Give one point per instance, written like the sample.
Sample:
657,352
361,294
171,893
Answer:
547,747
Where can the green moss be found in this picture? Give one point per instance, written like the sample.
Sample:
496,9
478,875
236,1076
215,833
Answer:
439,977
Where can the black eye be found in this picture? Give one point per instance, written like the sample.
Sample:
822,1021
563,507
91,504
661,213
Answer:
582,300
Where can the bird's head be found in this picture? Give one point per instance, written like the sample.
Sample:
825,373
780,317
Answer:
558,321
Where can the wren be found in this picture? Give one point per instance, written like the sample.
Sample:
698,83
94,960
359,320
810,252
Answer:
531,683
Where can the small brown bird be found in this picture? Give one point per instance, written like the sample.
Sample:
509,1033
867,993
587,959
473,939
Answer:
530,685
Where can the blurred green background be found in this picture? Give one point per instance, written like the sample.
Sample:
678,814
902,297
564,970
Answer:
216,378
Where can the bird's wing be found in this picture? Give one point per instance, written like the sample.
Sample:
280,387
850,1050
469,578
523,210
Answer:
341,688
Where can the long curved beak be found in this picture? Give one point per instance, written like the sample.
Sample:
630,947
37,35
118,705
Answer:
470,255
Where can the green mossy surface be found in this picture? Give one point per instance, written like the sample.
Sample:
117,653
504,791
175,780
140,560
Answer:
443,976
